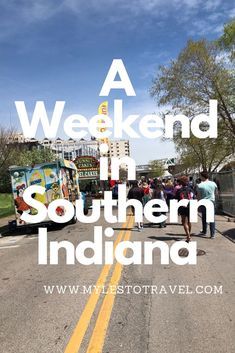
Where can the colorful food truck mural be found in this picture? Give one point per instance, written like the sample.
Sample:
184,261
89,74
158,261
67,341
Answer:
60,178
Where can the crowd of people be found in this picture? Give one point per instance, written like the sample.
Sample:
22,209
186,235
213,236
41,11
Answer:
180,188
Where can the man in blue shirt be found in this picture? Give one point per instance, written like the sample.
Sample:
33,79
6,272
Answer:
206,190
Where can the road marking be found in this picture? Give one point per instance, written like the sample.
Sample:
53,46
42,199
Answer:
9,246
98,336
84,321
12,239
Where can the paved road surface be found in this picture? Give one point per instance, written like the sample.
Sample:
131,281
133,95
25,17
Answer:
32,321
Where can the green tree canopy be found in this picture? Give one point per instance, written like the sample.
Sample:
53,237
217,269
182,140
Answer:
202,71
156,168
203,154
227,40
35,156
195,77
18,154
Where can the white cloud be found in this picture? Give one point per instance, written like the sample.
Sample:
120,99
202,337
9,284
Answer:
212,4
232,13
135,6
43,9
15,16
149,62
204,27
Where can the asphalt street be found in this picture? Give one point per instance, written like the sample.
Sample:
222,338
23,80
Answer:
158,309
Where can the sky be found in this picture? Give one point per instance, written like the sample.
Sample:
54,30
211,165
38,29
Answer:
62,50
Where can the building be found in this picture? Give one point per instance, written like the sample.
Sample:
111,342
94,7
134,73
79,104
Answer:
20,142
70,149
17,137
66,149
119,148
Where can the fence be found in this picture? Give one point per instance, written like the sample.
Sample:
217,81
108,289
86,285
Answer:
226,186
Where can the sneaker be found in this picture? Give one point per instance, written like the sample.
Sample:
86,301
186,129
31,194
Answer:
212,236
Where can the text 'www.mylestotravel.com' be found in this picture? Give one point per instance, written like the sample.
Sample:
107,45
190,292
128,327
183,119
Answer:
176,289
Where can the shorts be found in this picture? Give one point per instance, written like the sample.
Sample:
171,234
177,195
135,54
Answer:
184,211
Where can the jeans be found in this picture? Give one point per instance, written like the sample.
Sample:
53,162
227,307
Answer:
204,223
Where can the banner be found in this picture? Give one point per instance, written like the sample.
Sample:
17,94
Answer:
103,109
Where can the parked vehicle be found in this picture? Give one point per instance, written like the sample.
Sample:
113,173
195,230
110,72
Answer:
89,177
60,179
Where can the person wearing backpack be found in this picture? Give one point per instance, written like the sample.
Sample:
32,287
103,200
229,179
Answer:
185,192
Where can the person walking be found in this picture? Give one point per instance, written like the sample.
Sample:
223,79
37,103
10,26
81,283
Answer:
115,191
146,190
158,194
168,189
177,186
136,192
185,192
207,189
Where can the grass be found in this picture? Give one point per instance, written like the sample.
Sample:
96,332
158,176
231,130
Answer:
6,205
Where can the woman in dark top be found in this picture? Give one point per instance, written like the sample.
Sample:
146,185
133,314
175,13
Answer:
158,194
185,192
136,193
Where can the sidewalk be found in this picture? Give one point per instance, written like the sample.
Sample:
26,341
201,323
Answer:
4,223
226,226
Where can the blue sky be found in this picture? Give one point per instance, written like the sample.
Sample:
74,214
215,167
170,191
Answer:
62,50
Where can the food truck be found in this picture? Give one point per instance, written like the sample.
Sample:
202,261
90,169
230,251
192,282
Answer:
89,176
60,179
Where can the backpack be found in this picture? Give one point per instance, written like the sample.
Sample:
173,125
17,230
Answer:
115,191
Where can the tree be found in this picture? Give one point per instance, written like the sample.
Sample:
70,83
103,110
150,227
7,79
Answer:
35,156
202,154
7,157
227,40
201,72
7,152
156,168
195,77
13,153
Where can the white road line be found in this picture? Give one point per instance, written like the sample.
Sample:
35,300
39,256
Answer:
9,246
9,240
